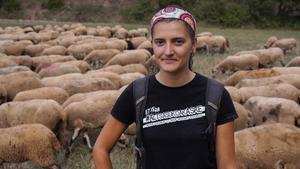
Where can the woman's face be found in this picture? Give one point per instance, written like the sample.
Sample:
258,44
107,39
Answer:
172,46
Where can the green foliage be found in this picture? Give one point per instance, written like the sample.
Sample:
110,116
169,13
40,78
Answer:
10,5
234,15
52,4
227,13
141,11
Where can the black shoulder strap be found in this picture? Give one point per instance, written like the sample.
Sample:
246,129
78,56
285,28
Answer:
140,91
214,92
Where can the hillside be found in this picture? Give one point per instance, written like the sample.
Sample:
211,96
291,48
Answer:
65,10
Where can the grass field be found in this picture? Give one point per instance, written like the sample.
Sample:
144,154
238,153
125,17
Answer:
239,39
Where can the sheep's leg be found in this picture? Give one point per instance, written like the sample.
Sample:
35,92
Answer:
53,167
75,135
87,139
282,63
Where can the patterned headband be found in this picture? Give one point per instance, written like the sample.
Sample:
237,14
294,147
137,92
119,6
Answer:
176,13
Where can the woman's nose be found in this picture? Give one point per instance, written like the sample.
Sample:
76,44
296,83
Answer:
169,49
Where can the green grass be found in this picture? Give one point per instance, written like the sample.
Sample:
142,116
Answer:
239,39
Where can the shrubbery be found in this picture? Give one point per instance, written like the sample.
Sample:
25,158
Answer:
228,13
10,5
52,4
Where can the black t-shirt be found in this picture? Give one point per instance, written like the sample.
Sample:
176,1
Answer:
174,122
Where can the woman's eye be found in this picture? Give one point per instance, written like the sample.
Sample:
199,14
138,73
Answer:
159,42
179,42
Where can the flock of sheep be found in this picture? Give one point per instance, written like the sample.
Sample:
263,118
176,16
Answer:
58,82
267,99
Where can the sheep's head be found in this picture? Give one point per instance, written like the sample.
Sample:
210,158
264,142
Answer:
270,41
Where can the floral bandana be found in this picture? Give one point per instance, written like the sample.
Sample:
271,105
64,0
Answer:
176,13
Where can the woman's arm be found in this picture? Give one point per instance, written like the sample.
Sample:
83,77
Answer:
108,137
225,152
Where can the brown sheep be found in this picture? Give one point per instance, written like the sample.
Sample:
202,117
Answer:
245,119
67,41
129,57
55,93
114,68
81,65
235,63
131,68
136,41
273,110
6,62
12,69
45,36
146,45
3,94
49,59
33,142
14,48
287,70
54,50
294,62
213,43
79,84
79,51
121,33
100,57
113,77
274,90
267,57
285,44
57,70
44,111
92,112
104,32
20,81
204,34
252,74
234,93
35,50
82,96
127,78
293,79
270,41
23,60
263,146
116,44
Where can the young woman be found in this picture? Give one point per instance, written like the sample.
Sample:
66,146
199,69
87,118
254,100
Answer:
173,137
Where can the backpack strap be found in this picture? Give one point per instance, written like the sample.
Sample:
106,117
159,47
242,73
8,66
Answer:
140,91
214,92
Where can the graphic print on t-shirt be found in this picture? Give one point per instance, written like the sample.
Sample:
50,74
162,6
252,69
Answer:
153,116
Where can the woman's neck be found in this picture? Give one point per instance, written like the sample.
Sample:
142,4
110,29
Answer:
176,79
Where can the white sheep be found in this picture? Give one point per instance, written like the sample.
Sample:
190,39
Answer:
273,110
283,90
294,62
262,147
234,63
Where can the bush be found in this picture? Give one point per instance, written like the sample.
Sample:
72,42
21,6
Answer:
10,5
52,4
234,15
141,11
